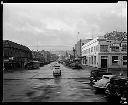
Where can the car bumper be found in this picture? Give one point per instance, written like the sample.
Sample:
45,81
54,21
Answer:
100,87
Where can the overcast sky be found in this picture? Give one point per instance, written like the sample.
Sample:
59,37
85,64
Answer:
55,26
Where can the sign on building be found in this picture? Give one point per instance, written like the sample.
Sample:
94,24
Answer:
115,45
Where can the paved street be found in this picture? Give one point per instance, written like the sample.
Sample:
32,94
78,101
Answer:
39,85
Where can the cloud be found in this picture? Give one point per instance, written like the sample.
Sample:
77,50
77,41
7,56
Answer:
58,24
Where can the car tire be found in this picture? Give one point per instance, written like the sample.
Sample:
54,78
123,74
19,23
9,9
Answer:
107,90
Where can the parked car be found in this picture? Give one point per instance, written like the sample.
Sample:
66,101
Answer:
56,70
32,65
96,75
76,65
117,86
124,95
102,83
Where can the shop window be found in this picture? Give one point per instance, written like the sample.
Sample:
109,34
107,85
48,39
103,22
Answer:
89,59
114,59
124,60
83,61
94,59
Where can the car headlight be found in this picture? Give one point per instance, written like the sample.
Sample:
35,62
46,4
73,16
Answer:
122,98
94,80
125,102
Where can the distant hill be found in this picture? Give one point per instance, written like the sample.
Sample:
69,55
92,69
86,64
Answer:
61,52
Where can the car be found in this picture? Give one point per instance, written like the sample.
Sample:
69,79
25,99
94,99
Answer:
124,95
96,75
76,65
116,86
32,65
102,83
56,70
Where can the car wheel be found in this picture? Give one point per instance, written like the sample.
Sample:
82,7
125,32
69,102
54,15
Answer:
107,90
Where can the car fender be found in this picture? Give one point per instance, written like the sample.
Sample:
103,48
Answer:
107,85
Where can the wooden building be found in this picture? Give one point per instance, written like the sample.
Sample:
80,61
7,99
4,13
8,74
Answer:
15,55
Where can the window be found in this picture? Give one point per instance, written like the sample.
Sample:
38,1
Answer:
124,60
85,61
115,48
82,44
124,47
104,48
89,60
94,59
91,49
96,48
114,59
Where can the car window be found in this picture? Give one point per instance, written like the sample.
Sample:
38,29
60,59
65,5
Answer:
106,77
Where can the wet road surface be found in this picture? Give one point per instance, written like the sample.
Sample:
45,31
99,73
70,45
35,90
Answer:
39,85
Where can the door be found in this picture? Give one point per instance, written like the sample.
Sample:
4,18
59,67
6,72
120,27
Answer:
103,63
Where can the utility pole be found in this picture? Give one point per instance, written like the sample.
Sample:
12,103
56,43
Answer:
80,51
78,36
74,52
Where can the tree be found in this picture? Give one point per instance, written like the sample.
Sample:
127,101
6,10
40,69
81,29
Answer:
116,36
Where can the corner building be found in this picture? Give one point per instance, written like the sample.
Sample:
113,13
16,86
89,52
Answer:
102,53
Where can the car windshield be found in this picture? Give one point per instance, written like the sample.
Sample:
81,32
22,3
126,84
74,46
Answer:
101,74
57,68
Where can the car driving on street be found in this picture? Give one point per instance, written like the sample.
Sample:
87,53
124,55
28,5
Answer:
56,70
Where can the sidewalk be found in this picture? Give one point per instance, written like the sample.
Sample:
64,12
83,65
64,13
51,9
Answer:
13,70
113,71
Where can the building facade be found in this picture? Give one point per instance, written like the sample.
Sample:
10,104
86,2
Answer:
78,46
15,55
102,53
